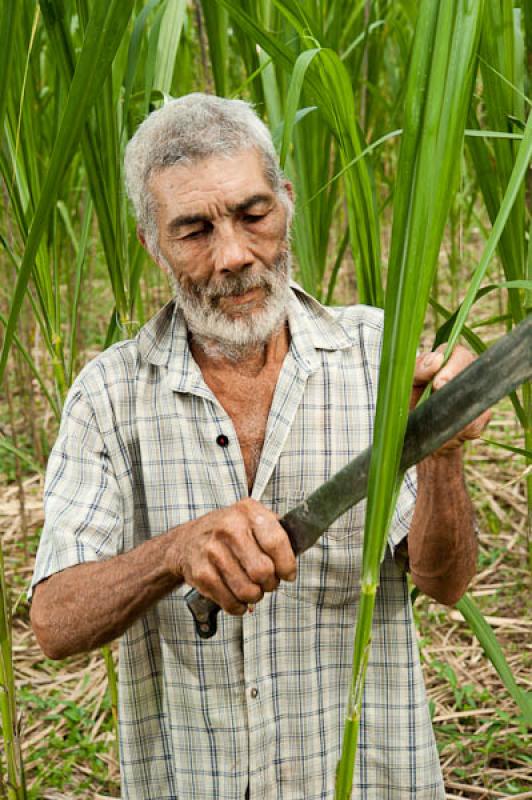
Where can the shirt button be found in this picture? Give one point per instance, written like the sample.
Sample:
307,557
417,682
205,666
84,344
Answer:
254,692
222,440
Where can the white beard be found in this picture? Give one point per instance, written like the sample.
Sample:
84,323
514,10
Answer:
221,335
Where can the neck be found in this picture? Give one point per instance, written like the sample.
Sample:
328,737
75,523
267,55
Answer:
251,360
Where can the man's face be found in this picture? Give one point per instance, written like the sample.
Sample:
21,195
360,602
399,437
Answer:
223,234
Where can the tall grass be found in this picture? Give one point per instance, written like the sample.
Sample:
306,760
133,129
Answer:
330,78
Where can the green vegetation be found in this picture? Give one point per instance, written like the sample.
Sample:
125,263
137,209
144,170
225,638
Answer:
405,128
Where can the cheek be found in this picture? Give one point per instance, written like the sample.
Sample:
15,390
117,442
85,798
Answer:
189,261
270,238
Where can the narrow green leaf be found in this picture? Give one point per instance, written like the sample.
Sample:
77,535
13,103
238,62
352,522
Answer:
106,25
519,171
294,93
22,454
8,25
169,36
520,451
483,134
216,23
78,274
485,635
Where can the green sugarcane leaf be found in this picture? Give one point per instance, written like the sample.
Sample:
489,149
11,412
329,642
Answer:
133,55
520,451
367,150
445,332
294,93
217,34
21,454
301,113
104,32
519,171
482,134
485,635
440,83
80,261
299,18
169,36
35,371
8,29
362,38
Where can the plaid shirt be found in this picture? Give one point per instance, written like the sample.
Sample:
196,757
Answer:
262,704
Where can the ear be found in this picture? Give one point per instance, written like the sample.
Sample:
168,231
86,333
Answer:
142,239
289,189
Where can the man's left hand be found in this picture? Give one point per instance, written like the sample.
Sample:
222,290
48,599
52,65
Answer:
429,367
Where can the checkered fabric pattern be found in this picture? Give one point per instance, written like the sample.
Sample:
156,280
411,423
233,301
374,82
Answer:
261,706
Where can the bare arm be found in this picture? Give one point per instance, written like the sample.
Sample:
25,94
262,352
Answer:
233,556
442,544
90,604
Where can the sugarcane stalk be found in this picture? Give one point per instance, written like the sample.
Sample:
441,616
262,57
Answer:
440,84
112,682
15,785
527,406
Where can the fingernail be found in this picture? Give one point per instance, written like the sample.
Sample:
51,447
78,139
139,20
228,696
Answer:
292,576
432,358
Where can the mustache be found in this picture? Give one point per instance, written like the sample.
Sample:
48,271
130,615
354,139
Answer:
238,283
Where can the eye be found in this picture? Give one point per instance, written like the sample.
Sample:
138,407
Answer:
251,218
197,234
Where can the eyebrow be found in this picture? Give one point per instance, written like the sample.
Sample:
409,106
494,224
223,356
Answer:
194,219
249,202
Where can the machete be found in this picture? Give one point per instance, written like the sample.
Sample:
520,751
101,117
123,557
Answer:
496,373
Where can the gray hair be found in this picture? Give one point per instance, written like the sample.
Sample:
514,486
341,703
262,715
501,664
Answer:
186,130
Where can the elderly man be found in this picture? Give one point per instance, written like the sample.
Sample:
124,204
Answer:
176,454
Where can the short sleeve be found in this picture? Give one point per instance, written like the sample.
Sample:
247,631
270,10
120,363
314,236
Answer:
404,510
83,517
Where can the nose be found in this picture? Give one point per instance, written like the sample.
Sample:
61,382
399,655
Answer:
231,253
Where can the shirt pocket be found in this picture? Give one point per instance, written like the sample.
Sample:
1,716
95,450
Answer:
328,573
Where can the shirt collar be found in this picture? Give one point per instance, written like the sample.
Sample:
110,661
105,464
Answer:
163,341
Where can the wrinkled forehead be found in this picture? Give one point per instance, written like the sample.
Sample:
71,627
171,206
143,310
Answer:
221,180
249,160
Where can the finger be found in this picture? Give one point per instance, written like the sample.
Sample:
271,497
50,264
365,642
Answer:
235,577
237,535
427,365
258,566
476,428
472,431
209,583
459,359
273,540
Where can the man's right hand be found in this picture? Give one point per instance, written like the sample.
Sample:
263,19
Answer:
233,555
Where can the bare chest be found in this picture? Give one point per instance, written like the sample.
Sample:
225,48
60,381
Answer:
247,400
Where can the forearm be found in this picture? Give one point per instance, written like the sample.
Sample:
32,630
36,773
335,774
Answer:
90,604
442,545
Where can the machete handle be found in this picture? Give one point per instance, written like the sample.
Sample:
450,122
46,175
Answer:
204,612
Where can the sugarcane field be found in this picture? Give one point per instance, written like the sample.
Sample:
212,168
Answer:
265,399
